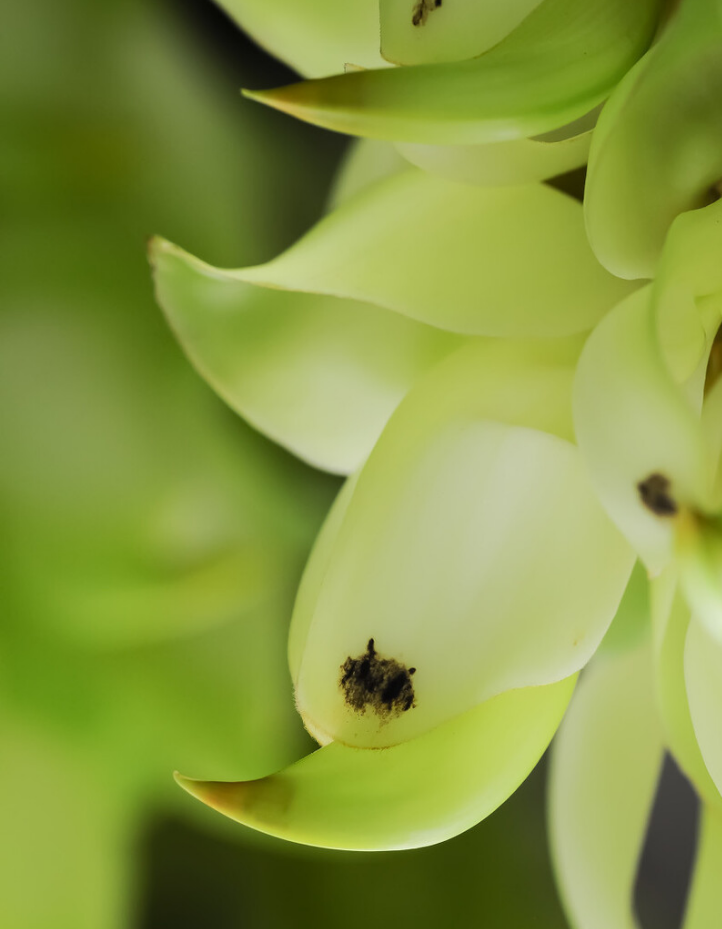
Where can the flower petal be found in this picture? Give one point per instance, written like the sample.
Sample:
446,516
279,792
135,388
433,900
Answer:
670,623
561,61
658,147
499,164
317,374
463,496
366,162
605,765
415,794
317,37
688,277
499,262
635,426
423,33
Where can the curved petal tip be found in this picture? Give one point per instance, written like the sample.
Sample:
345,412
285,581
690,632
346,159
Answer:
223,796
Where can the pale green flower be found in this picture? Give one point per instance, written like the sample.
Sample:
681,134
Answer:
467,545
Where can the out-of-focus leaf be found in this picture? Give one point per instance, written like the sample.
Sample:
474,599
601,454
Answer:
559,63
65,858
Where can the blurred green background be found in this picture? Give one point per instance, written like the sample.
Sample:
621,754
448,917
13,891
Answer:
151,541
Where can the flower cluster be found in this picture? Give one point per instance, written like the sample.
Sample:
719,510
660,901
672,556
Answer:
523,391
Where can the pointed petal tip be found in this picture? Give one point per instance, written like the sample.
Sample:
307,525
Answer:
156,245
267,97
222,796
292,99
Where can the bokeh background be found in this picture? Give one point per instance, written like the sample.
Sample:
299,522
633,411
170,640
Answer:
150,541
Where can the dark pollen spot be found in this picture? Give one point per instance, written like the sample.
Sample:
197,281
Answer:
382,685
421,11
655,495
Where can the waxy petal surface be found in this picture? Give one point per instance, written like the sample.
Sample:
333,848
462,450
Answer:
469,550
415,794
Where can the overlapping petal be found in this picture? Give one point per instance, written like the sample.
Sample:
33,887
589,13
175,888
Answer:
498,164
414,794
305,347
562,60
317,37
638,431
318,374
658,148
473,486
505,262
605,766
671,622
423,33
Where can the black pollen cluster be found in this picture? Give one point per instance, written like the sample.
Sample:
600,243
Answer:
655,494
382,685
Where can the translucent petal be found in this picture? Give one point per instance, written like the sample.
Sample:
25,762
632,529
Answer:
605,765
705,898
317,37
658,148
415,794
703,675
317,374
561,61
501,262
497,164
634,425
424,31
470,552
